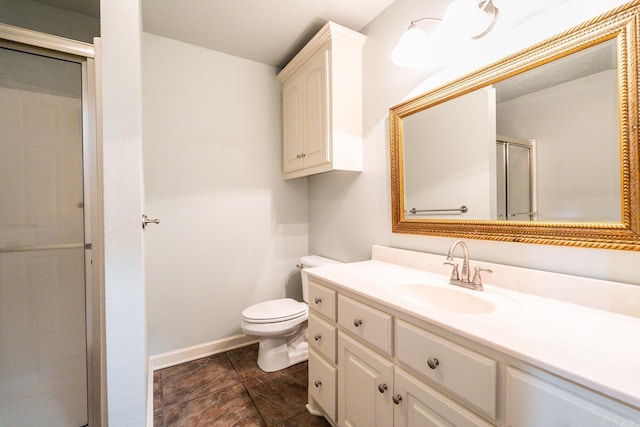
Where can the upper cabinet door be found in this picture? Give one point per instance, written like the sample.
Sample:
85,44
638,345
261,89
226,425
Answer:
292,124
315,98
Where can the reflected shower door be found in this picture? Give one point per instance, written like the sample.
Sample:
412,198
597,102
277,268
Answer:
43,340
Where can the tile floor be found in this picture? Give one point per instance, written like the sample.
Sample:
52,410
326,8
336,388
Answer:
229,389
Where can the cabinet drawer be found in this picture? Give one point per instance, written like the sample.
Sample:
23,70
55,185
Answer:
322,337
368,323
464,372
533,402
322,300
322,384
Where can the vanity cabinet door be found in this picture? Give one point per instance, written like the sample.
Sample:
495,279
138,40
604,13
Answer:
422,406
365,386
534,402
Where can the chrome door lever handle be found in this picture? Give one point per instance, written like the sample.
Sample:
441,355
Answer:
146,221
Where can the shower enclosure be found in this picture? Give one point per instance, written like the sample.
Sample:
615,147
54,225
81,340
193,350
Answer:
48,292
516,179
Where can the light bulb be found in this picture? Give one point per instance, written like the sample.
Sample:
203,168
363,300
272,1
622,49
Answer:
410,47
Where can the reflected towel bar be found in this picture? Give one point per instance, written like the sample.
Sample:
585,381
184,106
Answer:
461,209
42,248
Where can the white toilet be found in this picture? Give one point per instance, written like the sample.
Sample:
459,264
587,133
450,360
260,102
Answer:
281,324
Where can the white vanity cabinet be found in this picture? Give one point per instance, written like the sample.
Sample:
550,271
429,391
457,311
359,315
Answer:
322,104
374,364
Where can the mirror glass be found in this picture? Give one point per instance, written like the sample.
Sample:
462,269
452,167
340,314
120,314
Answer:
539,147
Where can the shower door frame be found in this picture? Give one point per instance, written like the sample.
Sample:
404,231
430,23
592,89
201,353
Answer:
55,47
529,144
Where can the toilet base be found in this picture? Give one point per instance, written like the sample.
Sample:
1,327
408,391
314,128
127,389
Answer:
276,353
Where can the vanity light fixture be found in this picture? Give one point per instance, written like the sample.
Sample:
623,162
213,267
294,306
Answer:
462,20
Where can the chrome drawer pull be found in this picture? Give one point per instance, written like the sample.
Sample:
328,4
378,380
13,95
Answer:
433,362
357,322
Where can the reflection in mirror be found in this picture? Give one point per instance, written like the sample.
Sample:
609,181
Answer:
540,147
557,157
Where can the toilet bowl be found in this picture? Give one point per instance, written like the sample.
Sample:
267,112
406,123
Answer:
281,324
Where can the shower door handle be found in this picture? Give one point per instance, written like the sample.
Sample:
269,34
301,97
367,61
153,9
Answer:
146,221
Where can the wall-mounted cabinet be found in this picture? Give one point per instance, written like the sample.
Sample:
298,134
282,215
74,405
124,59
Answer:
322,104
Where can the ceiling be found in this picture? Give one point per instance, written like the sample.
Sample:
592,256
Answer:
266,31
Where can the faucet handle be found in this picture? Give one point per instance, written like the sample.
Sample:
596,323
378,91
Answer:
454,273
477,278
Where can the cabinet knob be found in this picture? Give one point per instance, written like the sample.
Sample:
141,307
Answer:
318,300
397,399
357,322
433,362
318,383
382,388
317,337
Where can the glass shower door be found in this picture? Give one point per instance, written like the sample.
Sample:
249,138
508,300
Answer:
43,340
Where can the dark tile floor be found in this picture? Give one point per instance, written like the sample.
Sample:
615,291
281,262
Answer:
229,389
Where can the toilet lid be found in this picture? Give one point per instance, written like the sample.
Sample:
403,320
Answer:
277,310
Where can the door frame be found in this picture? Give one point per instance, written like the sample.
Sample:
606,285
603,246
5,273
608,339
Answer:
29,41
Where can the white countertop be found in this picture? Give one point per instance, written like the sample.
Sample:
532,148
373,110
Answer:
595,348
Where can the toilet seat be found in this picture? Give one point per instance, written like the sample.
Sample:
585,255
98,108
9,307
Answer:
278,310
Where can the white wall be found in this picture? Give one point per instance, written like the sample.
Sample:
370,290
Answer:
231,229
462,173
350,212
124,299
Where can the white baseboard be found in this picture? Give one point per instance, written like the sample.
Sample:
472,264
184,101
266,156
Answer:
188,354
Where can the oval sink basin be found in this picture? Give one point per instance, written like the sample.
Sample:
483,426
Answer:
447,299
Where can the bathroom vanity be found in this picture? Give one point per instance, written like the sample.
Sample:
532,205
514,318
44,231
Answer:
392,343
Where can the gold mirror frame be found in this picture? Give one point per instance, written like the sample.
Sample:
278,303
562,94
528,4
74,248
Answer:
621,24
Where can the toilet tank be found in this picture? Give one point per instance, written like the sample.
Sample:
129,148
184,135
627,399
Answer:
310,261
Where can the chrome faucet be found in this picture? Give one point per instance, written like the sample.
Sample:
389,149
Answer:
463,278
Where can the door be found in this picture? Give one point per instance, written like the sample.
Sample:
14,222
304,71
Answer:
365,385
516,179
43,333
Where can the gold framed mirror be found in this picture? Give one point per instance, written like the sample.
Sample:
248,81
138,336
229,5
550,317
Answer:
567,106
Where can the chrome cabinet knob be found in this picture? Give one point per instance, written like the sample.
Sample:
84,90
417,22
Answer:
318,383
397,399
357,322
317,337
382,388
318,300
433,362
